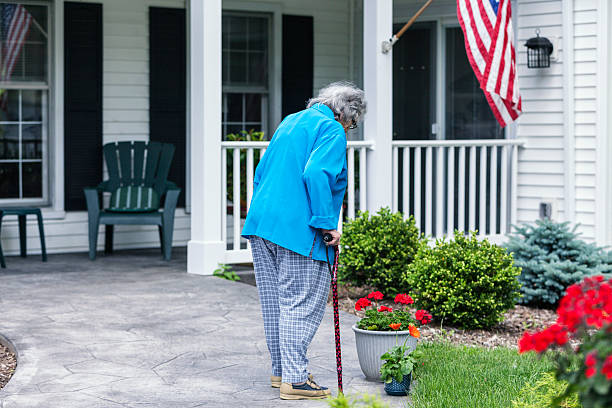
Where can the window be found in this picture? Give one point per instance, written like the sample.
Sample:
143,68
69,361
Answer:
246,61
468,115
24,87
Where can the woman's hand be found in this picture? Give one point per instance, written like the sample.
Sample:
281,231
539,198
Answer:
335,237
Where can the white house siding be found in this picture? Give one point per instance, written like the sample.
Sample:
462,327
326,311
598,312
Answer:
541,167
126,107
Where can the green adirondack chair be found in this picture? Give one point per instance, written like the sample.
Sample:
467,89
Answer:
138,184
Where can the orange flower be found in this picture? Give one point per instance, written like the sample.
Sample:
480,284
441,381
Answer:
414,332
395,326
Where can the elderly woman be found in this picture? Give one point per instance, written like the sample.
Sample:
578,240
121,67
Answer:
298,191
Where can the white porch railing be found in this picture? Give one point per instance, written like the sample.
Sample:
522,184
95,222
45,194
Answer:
238,163
453,185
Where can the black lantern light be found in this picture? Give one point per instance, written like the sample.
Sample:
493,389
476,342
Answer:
538,51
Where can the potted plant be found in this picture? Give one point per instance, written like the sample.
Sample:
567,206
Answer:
396,372
383,327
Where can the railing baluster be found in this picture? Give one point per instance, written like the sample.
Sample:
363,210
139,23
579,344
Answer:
362,179
461,198
482,222
514,181
472,180
236,197
439,191
417,187
493,193
406,186
450,192
224,194
503,197
351,182
395,178
249,177
428,191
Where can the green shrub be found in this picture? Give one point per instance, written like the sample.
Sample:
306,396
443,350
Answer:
377,249
543,393
464,282
552,258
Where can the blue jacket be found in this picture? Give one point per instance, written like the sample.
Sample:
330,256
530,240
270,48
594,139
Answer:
300,182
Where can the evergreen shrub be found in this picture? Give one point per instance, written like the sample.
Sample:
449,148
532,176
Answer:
552,258
464,281
377,249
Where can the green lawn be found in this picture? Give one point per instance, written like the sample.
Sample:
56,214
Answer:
469,377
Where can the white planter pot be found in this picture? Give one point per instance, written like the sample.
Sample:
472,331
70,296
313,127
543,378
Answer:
373,344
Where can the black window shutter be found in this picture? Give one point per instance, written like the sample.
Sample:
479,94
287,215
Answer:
82,101
298,62
167,86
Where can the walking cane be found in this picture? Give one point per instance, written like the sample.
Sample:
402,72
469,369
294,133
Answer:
334,285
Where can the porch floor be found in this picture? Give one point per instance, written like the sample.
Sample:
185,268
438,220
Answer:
130,330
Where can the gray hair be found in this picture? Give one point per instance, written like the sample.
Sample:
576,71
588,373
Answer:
344,98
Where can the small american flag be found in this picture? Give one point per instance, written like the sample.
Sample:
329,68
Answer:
15,24
487,29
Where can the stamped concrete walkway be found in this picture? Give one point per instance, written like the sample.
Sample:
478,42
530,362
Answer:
130,330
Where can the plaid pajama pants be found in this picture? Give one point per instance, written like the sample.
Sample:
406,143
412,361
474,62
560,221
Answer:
293,292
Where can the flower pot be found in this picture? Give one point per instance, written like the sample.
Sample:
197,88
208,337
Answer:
399,388
372,344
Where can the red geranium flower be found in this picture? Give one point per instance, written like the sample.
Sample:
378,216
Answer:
607,368
376,295
362,303
590,360
395,326
423,316
404,299
590,372
385,309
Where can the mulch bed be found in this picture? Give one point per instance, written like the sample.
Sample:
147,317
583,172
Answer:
8,363
506,333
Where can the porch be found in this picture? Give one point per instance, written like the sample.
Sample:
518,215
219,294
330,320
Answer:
234,67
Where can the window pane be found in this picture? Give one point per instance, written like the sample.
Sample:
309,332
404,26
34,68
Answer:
234,107
9,105
9,142
258,33
253,108
235,129
23,37
9,180
468,115
237,69
31,142
238,33
32,180
257,69
32,106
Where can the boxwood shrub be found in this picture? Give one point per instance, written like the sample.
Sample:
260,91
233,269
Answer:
377,249
464,281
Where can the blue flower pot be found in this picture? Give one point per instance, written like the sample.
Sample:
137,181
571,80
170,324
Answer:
399,388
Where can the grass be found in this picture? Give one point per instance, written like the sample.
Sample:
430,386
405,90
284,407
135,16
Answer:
471,377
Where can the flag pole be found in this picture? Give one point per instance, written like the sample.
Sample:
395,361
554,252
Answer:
387,45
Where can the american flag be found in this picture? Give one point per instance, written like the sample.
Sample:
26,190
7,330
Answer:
487,30
15,24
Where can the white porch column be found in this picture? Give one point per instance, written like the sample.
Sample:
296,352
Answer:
205,249
378,86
